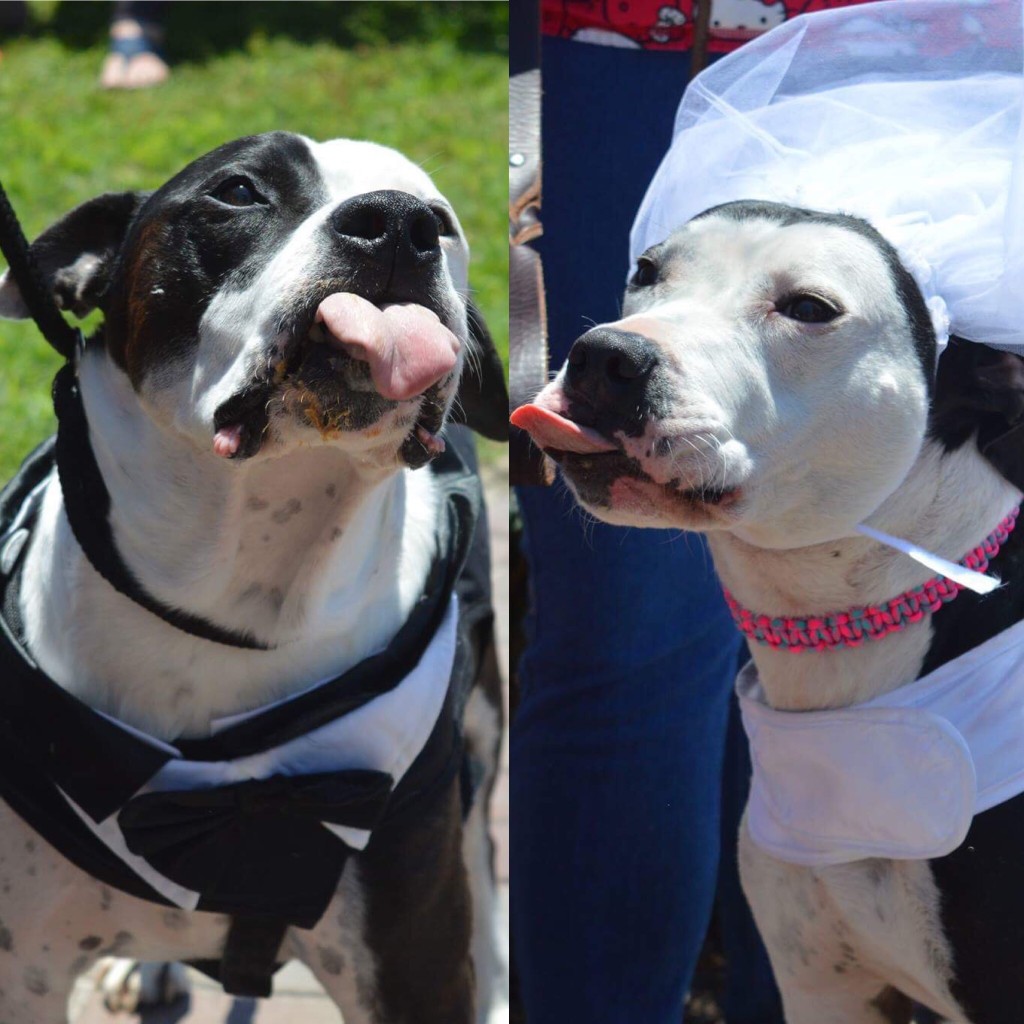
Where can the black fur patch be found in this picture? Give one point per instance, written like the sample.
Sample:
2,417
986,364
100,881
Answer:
979,395
185,246
483,395
981,886
983,914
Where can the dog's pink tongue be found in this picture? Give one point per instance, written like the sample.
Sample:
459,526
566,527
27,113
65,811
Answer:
407,346
227,440
549,430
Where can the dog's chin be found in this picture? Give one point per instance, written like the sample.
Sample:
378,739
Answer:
614,487
316,407
379,433
332,395
313,392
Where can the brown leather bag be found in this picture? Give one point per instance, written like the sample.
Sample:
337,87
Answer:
528,348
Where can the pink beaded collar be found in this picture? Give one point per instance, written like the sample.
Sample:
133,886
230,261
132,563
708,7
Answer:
852,628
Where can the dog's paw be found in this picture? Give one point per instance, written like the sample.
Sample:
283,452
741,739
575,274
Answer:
128,985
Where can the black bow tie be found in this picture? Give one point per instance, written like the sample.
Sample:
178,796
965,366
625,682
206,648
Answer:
258,842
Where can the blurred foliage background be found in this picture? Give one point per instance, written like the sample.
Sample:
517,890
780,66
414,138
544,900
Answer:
429,78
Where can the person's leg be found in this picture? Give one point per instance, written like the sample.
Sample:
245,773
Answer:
135,60
617,744
617,754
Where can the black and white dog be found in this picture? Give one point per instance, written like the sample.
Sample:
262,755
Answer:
772,383
244,621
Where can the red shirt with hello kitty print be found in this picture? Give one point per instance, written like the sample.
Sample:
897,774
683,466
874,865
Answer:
661,25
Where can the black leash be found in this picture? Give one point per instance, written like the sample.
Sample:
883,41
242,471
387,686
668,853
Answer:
87,506
29,278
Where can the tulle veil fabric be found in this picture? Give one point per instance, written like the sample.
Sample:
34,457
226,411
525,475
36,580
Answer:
907,113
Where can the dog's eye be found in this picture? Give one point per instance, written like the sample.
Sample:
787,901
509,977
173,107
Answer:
444,221
236,192
646,273
808,309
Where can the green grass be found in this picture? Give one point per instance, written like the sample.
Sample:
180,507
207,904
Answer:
427,78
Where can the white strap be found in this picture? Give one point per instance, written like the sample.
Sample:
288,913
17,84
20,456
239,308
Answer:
976,581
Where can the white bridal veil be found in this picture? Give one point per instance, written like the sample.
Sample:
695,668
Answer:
907,113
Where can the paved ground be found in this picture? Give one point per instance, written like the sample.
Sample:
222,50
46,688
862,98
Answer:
298,999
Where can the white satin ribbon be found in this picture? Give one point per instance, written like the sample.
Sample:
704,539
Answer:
969,578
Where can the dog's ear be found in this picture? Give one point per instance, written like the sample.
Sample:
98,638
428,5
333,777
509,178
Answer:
979,391
75,255
483,395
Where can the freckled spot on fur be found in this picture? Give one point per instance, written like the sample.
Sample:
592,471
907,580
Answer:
331,960
30,845
6,938
175,920
875,869
336,533
32,870
105,898
36,981
330,490
182,694
366,995
266,538
90,942
117,948
791,944
255,504
839,968
893,1005
292,507
936,956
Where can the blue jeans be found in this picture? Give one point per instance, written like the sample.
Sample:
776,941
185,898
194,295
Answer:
618,744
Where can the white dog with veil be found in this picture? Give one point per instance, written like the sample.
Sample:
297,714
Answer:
819,365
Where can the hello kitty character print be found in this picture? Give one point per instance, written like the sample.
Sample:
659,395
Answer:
657,25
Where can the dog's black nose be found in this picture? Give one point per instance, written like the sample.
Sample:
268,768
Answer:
610,369
391,228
